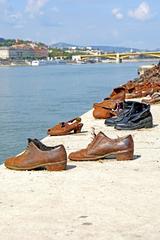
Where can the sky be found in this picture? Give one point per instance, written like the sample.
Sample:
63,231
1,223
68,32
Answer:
125,23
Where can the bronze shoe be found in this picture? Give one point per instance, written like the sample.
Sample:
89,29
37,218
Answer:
38,155
65,128
154,99
117,96
109,106
103,147
136,94
103,113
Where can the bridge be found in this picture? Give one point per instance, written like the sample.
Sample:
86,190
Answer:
118,57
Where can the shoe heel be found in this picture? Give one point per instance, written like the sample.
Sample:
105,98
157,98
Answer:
149,125
56,167
78,129
124,156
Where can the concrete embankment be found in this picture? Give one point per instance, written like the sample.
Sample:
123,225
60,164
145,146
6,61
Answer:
106,199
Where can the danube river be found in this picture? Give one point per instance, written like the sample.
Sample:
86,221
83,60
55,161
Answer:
32,99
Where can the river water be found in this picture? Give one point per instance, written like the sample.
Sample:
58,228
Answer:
32,99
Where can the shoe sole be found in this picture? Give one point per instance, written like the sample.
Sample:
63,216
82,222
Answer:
142,124
119,156
110,125
134,128
74,130
58,166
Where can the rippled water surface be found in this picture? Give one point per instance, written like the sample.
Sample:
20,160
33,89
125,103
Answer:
33,99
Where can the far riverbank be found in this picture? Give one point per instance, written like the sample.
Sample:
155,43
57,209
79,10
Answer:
23,63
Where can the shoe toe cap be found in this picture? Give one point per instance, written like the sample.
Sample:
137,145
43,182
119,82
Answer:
72,155
78,155
109,121
9,162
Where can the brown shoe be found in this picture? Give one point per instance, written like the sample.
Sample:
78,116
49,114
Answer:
108,107
103,113
129,86
50,158
154,99
103,146
117,96
136,94
65,128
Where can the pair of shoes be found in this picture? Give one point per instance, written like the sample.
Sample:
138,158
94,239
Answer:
65,128
116,119
109,106
38,155
135,115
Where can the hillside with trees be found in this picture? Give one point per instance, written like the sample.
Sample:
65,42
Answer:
10,42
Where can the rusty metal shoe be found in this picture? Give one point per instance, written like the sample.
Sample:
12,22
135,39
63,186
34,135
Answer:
105,147
154,99
117,96
109,106
38,155
65,128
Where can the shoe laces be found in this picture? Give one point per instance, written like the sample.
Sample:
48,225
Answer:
92,136
29,141
27,148
63,124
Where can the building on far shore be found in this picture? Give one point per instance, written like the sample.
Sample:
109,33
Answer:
40,52
22,51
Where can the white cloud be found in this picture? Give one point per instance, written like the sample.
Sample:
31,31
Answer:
8,15
15,16
34,7
117,13
142,12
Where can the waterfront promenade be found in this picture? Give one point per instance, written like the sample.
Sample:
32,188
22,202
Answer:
101,200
